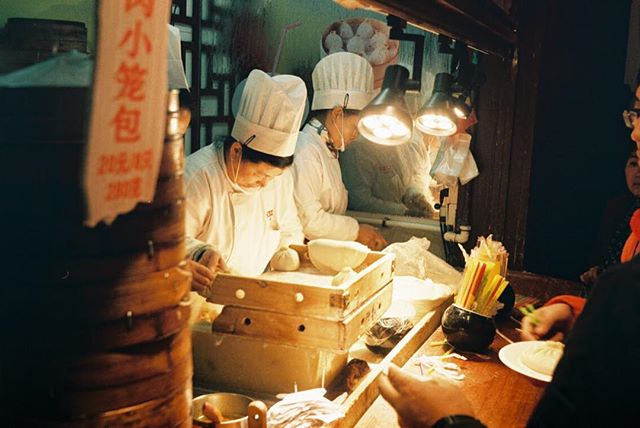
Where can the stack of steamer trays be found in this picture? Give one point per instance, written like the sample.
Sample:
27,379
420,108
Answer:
94,320
288,328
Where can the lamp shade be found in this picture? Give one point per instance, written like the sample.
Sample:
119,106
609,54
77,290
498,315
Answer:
437,116
386,119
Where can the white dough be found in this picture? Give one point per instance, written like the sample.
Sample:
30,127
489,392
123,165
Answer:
544,357
365,30
345,275
331,256
333,42
286,260
356,45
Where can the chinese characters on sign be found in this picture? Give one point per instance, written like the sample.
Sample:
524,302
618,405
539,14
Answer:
129,103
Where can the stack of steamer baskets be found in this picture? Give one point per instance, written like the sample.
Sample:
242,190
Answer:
94,320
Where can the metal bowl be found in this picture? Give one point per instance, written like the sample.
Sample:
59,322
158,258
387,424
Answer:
232,406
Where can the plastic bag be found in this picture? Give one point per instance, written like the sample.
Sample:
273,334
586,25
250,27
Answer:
396,321
469,169
450,159
414,259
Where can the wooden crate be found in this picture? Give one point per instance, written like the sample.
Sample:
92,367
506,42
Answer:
305,292
305,330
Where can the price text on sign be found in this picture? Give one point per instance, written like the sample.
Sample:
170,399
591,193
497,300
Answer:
128,111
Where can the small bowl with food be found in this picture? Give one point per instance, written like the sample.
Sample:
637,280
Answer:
228,410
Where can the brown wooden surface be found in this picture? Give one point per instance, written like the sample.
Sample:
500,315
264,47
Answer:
500,396
359,401
319,299
305,330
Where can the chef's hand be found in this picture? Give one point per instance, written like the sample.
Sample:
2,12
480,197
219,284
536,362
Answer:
371,237
414,199
421,402
551,322
204,271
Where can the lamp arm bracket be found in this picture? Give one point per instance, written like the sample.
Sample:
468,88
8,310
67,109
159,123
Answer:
397,33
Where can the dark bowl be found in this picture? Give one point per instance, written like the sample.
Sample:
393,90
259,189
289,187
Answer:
508,299
466,330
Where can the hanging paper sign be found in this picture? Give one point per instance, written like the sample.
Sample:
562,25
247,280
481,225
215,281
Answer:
128,108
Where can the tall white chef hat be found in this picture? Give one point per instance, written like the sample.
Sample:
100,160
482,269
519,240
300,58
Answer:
175,68
340,74
270,109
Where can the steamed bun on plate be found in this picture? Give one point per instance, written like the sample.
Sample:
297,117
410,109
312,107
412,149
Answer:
543,357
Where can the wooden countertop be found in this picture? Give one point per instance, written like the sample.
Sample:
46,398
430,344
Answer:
500,396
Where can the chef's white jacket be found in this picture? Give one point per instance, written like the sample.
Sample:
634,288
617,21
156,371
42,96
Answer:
320,195
378,176
246,226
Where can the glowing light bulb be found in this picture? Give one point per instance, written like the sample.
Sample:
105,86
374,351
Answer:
382,132
371,122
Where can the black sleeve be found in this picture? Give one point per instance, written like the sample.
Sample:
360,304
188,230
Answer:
458,421
594,382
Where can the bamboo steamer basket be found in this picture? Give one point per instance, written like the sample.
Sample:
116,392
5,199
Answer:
112,300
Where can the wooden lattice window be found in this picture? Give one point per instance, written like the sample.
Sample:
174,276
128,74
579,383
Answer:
205,31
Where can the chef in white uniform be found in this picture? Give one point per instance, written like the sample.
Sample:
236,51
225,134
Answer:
343,85
240,206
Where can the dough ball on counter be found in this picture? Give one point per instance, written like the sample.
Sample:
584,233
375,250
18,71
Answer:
544,357
286,260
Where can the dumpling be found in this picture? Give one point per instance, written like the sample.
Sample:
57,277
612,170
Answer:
345,31
356,45
365,30
333,42
285,260
378,56
378,40
544,357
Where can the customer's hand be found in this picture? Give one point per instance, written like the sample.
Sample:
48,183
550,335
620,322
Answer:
591,275
421,402
551,322
371,237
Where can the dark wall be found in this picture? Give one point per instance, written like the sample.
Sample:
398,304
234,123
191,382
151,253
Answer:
580,141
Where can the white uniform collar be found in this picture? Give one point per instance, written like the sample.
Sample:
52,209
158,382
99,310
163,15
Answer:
219,149
321,131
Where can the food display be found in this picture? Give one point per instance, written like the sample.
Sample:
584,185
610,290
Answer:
366,37
544,357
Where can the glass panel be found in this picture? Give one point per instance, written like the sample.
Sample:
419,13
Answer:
188,65
209,106
190,7
220,129
203,135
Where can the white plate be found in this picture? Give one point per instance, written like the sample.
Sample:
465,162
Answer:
510,356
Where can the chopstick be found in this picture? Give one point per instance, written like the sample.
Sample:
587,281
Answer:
504,337
529,311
